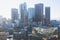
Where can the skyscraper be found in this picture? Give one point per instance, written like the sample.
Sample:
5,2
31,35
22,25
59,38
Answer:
24,14
14,14
31,13
47,15
39,12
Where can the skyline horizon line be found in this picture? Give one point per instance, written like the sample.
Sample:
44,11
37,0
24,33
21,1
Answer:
53,15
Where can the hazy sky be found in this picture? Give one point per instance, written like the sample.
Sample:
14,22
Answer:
6,5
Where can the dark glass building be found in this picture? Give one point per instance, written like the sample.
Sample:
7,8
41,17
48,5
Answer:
39,12
47,15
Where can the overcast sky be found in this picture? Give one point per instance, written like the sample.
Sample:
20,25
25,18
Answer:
6,5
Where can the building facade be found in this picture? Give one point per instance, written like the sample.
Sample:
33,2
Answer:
24,14
31,14
47,15
39,12
14,14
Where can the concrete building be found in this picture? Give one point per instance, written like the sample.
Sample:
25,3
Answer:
14,14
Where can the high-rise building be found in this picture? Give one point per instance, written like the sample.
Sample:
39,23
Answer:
14,13
24,14
31,14
39,12
47,15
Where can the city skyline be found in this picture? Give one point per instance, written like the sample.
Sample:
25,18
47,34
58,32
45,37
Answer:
7,5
